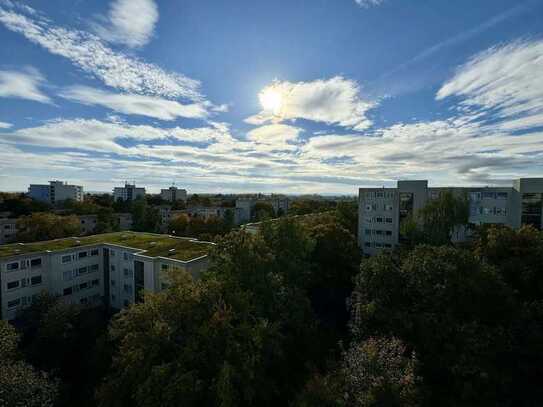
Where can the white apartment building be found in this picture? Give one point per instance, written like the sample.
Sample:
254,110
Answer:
128,193
56,191
125,221
382,210
112,269
173,194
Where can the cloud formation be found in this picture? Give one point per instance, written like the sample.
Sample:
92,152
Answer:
4,125
369,3
90,54
334,101
23,85
131,104
129,22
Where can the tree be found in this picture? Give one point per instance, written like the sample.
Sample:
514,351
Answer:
263,211
46,226
453,309
146,218
21,384
179,225
21,205
347,215
442,216
377,372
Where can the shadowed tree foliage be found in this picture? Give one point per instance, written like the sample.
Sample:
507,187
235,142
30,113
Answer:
46,226
21,384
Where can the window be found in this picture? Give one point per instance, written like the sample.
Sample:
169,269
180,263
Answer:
67,275
113,297
379,232
82,255
127,273
95,282
128,288
475,196
125,255
12,266
67,291
24,282
367,244
83,286
388,220
126,303
12,285
94,267
35,280
367,232
112,267
388,233
94,252
14,303
66,259
113,282
379,194
164,266
82,270
501,195
488,195
388,245
112,253
84,301
35,262
379,220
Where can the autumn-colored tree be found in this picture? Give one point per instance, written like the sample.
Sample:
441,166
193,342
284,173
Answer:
46,226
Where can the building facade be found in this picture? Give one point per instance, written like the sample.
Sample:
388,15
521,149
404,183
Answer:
56,191
128,193
173,194
97,273
381,211
8,230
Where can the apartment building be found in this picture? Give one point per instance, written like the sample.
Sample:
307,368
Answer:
245,206
382,210
128,193
124,220
8,230
88,223
56,191
173,194
112,269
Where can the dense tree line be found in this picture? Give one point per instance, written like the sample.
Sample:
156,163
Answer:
293,316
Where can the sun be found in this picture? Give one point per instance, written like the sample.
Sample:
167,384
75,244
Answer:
271,100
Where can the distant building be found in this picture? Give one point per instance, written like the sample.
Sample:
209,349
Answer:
280,205
173,194
382,210
56,191
124,220
88,223
112,269
128,193
8,230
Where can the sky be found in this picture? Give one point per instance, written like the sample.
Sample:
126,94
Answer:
287,96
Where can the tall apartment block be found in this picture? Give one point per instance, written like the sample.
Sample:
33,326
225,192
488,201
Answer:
128,193
382,210
56,191
112,269
173,194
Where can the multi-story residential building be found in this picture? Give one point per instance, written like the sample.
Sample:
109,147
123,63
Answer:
246,206
111,269
56,191
128,193
382,210
8,230
167,214
124,220
88,223
173,194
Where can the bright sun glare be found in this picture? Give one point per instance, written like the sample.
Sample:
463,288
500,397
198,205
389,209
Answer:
271,100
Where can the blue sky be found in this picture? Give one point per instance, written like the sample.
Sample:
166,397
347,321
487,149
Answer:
295,96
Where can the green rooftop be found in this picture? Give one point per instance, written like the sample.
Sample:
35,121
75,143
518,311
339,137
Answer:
154,245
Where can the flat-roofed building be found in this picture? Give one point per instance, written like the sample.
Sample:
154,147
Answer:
56,191
128,193
8,230
381,211
112,269
88,223
173,194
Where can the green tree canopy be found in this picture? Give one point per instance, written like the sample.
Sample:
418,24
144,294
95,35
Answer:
46,226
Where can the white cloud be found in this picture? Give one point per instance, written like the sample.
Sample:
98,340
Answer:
132,104
369,3
23,85
332,101
90,54
274,137
129,22
4,125
505,81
